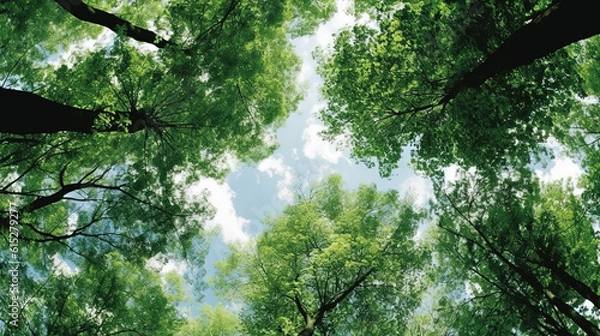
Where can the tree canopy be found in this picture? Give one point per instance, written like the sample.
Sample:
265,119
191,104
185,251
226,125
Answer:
528,253
112,108
484,85
467,82
336,262
212,321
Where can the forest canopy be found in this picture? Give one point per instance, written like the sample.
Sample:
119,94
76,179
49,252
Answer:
112,110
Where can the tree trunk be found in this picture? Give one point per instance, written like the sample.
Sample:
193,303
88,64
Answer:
28,113
588,327
97,16
525,274
580,287
4,224
309,329
563,23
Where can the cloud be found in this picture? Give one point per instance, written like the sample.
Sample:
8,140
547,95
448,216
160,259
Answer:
221,197
563,167
61,267
323,38
315,146
177,266
273,166
66,57
418,188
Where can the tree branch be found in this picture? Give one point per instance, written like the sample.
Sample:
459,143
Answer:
542,36
332,303
586,325
37,114
90,14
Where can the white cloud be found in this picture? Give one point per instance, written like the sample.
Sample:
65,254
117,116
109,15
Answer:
163,264
324,35
66,57
323,38
177,266
315,146
451,174
274,165
563,167
60,266
221,197
418,188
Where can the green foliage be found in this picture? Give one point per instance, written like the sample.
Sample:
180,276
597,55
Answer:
579,129
349,257
385,82
104,297
212,321
215,93
513,255
506,246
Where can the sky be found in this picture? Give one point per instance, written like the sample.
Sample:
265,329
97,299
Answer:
249,193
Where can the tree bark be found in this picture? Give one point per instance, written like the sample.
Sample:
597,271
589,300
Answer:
561,24
588,327
28,113
525,274
584,290
309,329
97,16
563,307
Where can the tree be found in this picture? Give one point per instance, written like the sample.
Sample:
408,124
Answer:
100,136
196,65
216,90
212,321
468,82
336,262
107,297
526,253
579,131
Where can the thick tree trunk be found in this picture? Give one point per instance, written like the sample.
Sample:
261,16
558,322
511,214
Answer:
561,24
588,327
584,290
309,329
28,113
97,16
525,274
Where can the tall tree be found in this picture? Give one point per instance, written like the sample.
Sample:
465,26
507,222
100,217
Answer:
467,82
215,320
524,256
106,297
187,108
579,130
335,263
103,129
